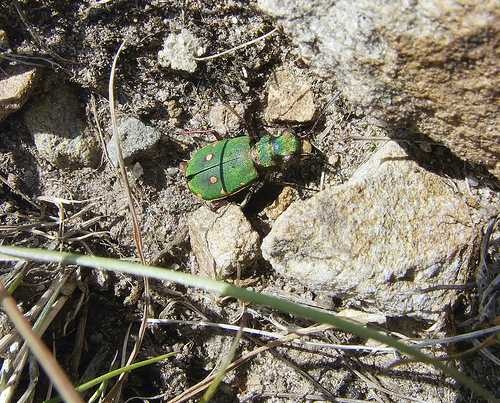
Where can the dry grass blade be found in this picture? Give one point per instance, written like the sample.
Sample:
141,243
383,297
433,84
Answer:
116,390
299,370
232,50
244,294
19,193
273,335
488,278
41,352
214,385
41,43
93,108
42,313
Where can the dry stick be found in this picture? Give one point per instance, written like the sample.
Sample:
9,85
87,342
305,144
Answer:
19,193
39,350
99,131
115,390
243,45
273,335
37,39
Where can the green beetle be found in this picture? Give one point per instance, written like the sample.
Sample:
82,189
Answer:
227,166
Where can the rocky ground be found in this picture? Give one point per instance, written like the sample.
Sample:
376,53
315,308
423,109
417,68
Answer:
384,222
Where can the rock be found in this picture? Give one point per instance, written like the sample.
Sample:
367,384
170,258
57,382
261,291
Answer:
174,112
59,132
223,120
172,171
16,88
431,65
4,39
137,170
285,198
137,141
289,99
392,230
222,242
179,51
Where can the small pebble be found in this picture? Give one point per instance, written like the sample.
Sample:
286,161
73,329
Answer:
4,40
137,170
16,87
172,171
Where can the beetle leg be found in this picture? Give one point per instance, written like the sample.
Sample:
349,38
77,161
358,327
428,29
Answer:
254,188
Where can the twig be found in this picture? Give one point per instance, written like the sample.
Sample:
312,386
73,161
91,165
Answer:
243,45
115,390
272,335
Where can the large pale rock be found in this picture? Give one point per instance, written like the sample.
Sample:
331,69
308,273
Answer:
222,241
380,239
16,88
56,122
430,66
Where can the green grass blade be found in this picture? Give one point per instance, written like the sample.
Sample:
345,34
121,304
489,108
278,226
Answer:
117,372
225,289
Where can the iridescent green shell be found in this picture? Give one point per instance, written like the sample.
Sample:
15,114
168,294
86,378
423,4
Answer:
269,151
221,168
225,167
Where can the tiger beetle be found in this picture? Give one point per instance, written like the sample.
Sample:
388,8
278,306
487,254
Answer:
225,167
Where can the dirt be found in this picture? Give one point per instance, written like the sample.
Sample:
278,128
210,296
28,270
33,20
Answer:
76,42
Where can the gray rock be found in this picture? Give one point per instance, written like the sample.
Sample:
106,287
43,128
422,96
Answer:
16,88
137,141
428,64
223,241
389,232
179,51
137,170
289,99
59,132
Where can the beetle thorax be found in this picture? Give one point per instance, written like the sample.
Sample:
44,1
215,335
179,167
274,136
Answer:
272,151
